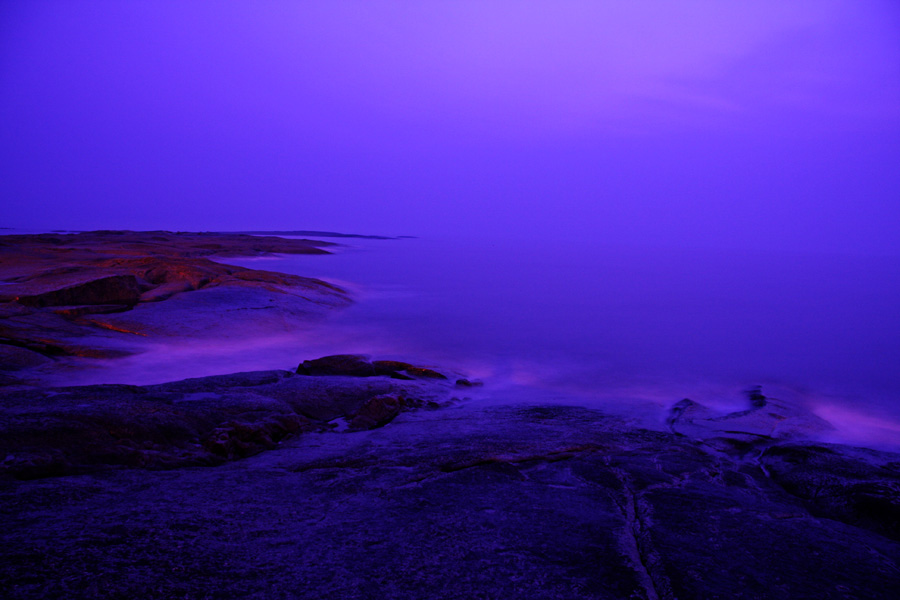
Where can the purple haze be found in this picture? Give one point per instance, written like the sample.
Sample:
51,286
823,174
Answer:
629,330
724,168
720,124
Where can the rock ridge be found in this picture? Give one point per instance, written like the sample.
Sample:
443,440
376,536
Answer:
194,422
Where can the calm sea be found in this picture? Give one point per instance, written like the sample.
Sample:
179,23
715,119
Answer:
632,329
578,321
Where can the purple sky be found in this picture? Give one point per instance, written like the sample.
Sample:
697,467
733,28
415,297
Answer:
733,123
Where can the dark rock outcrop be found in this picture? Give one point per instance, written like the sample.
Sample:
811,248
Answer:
192,422
14,358
378,411
352,365
424,373
115,289
358,365
861,488
156,243
390,367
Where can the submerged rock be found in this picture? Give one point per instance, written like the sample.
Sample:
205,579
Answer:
764,421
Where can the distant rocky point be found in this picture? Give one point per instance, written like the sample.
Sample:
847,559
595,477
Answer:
107,293
329,234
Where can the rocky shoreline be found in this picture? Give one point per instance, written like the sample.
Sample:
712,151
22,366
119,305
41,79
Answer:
282,485
200,422
357,478
111,294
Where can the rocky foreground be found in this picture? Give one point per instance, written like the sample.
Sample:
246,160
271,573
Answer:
353,478
359,479
107,294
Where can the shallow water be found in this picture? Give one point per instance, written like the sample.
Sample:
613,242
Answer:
582,321
634,329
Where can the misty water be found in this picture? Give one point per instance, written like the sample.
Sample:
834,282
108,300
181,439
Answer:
628,329
577,321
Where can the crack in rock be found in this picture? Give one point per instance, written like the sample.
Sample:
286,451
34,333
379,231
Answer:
637,543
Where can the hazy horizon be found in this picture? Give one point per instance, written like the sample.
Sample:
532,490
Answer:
736,125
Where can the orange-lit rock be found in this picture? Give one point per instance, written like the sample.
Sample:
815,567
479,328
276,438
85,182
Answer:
99,293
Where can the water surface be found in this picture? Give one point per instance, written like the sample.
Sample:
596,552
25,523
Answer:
579,320
627,328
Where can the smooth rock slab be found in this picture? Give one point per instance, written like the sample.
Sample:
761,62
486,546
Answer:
506,502
204,421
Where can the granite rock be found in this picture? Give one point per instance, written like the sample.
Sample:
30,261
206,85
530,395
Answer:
526,502
203,421
114,293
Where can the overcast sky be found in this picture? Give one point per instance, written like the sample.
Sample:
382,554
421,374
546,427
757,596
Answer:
734,123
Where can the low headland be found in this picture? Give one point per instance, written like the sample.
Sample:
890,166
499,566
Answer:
351,477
